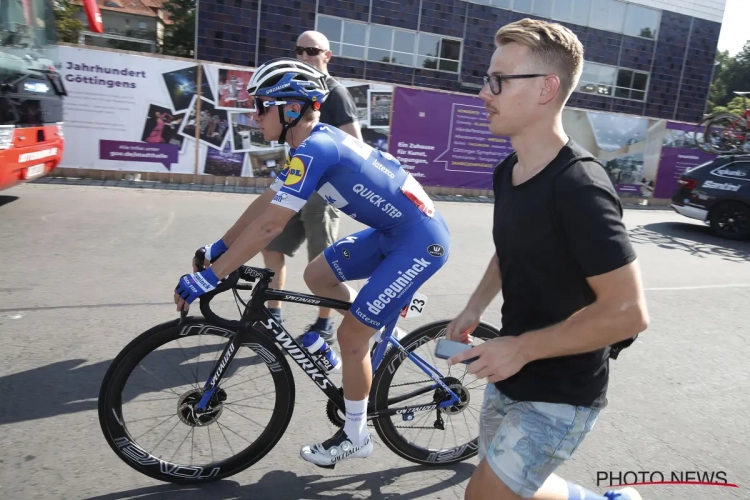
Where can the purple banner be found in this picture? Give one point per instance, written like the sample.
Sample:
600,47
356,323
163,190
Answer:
444,139
166,154
678,153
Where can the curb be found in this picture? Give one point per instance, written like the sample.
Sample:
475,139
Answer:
219,188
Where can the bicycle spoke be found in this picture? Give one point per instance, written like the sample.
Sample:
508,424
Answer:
246,418
181,443
182,350
154,427
233,432
254,407
165,437
225,436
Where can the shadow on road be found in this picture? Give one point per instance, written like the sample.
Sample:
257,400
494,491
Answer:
281,485
67,387
4,200
691,238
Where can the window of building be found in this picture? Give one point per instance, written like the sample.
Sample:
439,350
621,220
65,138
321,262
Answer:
609,15
601,79
641,21
374,42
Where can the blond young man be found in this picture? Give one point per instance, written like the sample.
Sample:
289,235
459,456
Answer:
570,279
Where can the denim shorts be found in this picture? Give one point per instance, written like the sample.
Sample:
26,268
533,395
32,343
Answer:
524,442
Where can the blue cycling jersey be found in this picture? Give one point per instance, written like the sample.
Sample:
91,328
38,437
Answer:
365,183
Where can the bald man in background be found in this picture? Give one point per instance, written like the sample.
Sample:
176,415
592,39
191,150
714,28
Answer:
317,221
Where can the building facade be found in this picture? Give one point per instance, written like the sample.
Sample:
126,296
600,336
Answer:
644,57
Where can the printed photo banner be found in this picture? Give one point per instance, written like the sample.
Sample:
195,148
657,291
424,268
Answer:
137,112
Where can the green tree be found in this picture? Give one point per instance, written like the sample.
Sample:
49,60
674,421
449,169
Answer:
179,36
67,23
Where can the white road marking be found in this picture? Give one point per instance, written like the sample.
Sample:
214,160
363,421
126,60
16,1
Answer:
166,226
699,287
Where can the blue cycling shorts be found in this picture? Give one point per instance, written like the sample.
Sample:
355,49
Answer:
396,265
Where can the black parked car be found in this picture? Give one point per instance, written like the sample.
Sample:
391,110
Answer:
718,193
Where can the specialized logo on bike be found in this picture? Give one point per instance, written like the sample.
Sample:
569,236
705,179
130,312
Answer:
304,300
400,285
376,200
296,353
222,365
435,250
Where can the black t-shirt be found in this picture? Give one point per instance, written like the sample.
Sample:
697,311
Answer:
338,109
551,233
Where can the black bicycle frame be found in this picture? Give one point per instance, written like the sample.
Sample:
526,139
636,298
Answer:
259,319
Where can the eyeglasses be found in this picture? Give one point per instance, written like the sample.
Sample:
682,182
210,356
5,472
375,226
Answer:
261,110
495,81
310,51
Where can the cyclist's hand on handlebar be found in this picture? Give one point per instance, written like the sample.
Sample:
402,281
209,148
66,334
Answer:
212,252
461,327
192,286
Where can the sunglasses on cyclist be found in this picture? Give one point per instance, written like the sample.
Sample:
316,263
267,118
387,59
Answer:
260,106
310,51
495,82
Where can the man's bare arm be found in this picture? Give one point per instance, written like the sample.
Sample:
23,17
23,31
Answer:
252,212
618,313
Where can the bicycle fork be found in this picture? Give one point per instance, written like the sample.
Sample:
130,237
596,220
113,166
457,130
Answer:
219,370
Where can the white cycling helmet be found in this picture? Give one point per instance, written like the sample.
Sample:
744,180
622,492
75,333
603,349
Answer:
289,80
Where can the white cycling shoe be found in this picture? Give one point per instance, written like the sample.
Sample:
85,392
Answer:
624,494
332,451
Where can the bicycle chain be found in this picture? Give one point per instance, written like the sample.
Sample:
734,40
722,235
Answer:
369,424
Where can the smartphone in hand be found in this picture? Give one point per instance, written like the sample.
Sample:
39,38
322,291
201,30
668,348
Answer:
448,348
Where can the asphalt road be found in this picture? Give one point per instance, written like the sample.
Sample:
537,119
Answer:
89,268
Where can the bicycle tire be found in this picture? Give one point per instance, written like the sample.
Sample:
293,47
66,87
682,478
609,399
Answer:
381,384
739,121
700,128
119,439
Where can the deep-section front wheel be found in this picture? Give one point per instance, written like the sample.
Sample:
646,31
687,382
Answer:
148,403
418,432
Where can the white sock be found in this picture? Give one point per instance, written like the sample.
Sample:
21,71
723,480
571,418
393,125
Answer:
355,425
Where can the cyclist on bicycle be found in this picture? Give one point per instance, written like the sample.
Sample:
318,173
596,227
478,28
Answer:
406,242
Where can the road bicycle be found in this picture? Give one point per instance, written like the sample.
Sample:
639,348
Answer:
724,133
202,405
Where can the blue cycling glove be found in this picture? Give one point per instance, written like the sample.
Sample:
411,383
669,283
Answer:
192,286
214,250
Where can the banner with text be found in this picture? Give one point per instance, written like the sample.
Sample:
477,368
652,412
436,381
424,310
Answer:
137,113
444,139
678,154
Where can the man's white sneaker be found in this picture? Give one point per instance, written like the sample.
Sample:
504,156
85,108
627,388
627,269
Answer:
332,451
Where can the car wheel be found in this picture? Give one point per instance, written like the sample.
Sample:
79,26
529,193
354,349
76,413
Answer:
731,220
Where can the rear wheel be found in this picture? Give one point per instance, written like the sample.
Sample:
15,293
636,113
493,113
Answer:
726,134
147,403
435,437
731,220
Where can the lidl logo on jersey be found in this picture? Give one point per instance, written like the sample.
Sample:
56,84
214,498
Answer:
296,171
